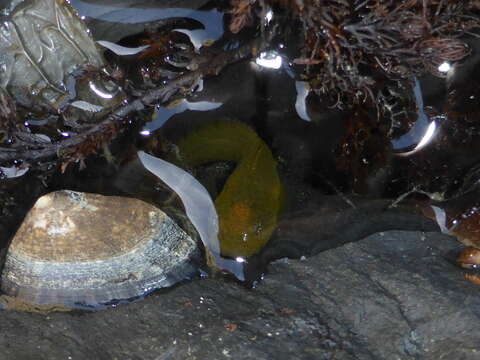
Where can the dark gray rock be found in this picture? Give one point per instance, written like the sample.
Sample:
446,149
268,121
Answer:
389,296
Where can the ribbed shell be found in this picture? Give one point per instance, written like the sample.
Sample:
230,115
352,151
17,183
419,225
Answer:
86,248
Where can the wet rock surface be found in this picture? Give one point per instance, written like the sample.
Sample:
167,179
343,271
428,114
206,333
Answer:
390,296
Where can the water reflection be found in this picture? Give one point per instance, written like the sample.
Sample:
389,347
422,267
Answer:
199,208
163,113
321,162
12,171
270,60
300,103
422,131
212,20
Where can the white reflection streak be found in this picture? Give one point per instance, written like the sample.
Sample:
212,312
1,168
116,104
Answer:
99,92
84,105
164,113
13,171
197,37
138,13
269,16
441,219
198,205
269,60
303,89
429,134
420,125
444,67
121,50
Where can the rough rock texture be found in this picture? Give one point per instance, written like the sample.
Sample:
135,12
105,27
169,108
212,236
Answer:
390,296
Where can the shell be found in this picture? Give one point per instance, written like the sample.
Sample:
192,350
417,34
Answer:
80,248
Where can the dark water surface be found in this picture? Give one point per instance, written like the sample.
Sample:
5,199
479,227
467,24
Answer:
345,173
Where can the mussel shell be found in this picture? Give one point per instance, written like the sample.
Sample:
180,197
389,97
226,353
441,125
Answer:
79,248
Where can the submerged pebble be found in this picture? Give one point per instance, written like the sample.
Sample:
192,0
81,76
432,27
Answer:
87,249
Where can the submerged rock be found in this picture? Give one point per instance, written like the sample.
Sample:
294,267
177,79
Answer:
389,296
43,48
41,43
89,249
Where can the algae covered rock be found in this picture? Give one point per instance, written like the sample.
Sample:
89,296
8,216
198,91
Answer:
42,42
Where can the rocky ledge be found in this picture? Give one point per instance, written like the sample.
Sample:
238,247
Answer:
393,295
